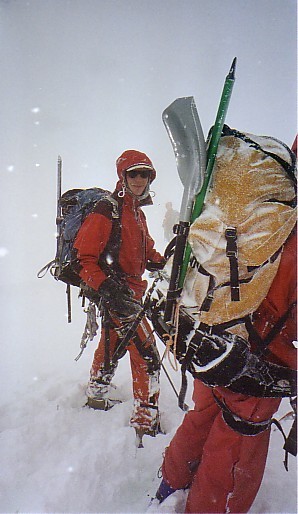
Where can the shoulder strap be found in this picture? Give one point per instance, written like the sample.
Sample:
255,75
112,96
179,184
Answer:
264,343
109,259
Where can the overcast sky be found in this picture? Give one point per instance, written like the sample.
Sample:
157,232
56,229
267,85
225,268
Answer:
87,79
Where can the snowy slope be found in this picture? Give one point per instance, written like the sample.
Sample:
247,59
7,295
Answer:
87,80
59,456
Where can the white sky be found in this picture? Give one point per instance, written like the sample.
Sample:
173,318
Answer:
87,79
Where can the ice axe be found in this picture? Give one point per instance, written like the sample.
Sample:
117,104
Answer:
184,129
211,156
185,132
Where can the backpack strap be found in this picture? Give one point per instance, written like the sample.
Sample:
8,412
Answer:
290,445
106,323
187,363
112,209
263,344
238,424
252,428
48,267
232,254
235,282
211,286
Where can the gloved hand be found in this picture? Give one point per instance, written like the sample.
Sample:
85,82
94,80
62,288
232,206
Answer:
209,348
119,298
155,266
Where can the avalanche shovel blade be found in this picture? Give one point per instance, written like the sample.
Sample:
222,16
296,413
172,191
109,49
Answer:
184,129
186,135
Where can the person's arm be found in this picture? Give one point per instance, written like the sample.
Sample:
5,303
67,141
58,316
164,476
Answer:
281,301
90,243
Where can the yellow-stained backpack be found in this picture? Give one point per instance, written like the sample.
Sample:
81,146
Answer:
237,241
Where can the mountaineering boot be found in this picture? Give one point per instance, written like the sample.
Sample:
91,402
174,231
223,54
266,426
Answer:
101,393
164,491
101,403
151,431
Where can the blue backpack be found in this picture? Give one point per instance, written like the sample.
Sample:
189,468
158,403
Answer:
73,207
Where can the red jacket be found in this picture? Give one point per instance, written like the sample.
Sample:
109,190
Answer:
231,465
281,299
136,247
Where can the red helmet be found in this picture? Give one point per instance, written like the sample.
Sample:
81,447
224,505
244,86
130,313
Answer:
133,159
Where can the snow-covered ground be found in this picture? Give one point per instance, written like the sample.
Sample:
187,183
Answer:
87,79
59,456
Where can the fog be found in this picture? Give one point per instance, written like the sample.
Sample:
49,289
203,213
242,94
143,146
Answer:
88,79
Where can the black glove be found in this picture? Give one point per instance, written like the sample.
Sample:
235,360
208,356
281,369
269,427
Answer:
209,348
155,266
89,293
119,298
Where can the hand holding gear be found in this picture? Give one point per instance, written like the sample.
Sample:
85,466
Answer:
119,298
155,266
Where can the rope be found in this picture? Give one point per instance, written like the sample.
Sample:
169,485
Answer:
171,340
91,327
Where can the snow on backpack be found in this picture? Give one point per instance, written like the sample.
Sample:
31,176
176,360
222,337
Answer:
237,241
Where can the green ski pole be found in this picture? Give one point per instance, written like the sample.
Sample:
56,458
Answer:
211,155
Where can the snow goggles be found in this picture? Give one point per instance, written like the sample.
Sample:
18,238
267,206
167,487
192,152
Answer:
142,173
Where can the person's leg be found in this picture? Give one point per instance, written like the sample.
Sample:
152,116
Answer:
232,465
184,453
102,371
145,368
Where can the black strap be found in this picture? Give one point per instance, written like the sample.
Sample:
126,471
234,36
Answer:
271,259
112,249
183,388
129,332
191,350
149,406
264,343
68,295
206,304
241,425
278,326
170,248
234,282
232,254
253,428
106,321
290,445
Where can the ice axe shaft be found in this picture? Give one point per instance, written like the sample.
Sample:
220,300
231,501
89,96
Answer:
211,155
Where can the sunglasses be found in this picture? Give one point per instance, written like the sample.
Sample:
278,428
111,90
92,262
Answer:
142,173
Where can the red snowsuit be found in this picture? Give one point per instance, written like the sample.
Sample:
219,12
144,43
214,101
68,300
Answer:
223,468
136,249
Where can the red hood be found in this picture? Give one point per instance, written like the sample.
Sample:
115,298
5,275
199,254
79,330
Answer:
134,159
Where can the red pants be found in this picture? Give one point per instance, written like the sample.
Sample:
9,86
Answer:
223,468
145,366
